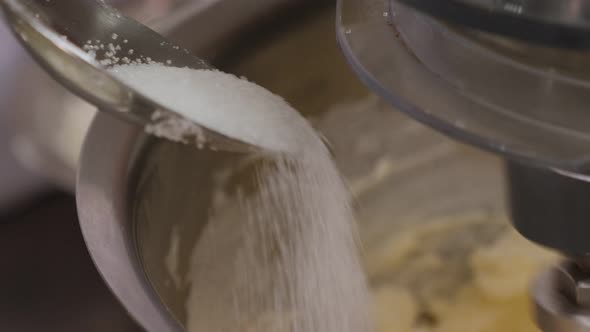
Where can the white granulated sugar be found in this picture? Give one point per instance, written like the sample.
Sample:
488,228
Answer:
280,255
223,103
282,258
171,260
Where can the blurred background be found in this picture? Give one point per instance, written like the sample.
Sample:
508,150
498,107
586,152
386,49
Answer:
48,281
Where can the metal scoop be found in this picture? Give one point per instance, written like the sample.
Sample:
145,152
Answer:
76,42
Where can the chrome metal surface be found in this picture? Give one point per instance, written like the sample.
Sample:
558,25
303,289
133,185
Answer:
41,136
554,311
55,32
46,132
574,282
104,210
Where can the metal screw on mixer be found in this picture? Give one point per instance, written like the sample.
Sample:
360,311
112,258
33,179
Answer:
561,297
573,280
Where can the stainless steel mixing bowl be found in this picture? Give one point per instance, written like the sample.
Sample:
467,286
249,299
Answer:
140,197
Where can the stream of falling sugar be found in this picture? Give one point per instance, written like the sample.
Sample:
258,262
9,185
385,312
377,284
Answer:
284,257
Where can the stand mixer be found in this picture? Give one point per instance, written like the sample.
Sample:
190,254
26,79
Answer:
508,76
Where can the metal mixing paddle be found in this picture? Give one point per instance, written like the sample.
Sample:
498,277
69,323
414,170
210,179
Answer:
76,40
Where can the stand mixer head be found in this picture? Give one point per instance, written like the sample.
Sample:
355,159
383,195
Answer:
509,77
